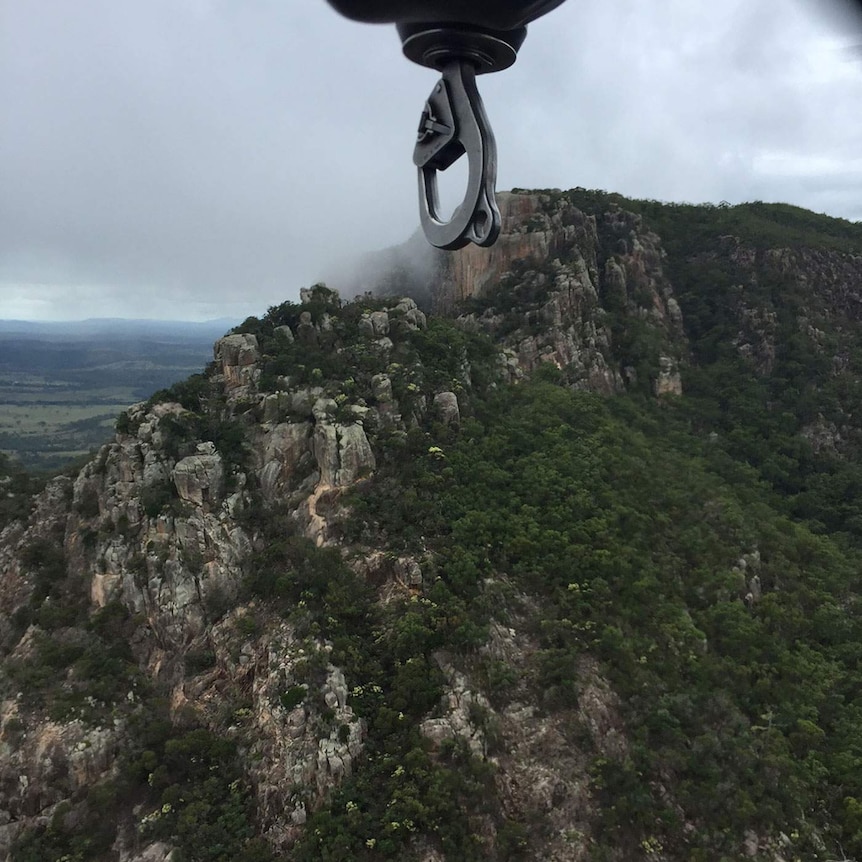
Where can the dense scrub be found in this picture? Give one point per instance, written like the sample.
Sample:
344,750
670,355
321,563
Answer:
694,228
742,710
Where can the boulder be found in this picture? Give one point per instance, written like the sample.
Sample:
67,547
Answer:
446,405
284,446
239,350
238,355
343,453
199,479
379,323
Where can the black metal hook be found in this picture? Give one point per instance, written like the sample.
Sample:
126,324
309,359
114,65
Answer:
453,124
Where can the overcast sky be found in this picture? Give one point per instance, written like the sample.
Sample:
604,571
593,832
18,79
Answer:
193,159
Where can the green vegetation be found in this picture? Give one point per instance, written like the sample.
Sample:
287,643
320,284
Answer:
77,669
399,790
17,488
47,436
704,552
203,803
190,780
82,834
700,226
343,360
618,522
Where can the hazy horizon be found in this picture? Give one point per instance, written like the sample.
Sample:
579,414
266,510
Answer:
214,322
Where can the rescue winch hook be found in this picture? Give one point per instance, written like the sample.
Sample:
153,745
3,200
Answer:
453,124
460,39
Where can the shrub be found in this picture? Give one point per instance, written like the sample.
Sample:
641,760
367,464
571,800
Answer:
156,497
199,660
191,393
88,504
45,559
293,697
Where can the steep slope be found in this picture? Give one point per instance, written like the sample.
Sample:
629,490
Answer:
753,311
574,577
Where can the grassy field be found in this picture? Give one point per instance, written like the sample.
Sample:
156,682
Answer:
60,394
43,436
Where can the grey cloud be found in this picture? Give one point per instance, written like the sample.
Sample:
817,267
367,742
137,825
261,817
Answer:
192,158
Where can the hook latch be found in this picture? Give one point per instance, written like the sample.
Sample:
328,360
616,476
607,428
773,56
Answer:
453,124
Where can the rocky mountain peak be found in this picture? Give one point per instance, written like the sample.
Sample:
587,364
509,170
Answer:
382,583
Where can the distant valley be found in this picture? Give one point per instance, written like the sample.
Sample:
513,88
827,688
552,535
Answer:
63,384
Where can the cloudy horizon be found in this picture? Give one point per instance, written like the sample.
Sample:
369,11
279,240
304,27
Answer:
199,160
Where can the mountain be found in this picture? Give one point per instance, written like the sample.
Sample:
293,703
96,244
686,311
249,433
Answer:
566,568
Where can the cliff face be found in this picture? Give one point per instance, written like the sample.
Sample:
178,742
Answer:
473,271
619,292
583,292
214,644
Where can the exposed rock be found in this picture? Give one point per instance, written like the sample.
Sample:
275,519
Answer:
342,452
237,356
407,316
380,323
409,572
157,852
461,705
365,325
324,409
446,405
538,771
276,407
302,400
51,763
557,258
296,758
824,436
472,270
283,450
199,479
668,381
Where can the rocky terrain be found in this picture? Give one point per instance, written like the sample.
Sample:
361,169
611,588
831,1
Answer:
230,632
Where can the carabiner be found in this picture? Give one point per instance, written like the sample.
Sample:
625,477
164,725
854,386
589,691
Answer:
453,124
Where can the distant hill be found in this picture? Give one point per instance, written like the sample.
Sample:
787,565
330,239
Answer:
116,325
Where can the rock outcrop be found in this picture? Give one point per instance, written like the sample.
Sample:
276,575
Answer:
161,524
572,289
